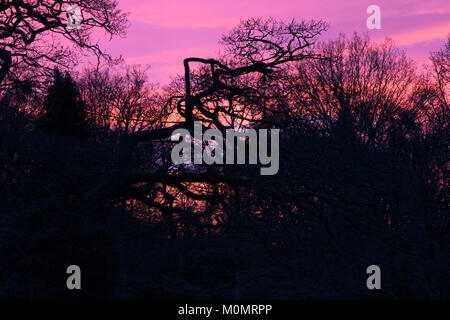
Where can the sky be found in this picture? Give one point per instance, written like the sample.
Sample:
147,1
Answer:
164,32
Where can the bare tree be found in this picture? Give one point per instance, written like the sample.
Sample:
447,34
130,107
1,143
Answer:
441,68
121,99
34,35
363,170
217,94
363,89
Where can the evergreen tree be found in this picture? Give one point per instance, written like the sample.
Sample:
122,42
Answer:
64,111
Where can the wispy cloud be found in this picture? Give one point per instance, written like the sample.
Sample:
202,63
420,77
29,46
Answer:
427,34
162,33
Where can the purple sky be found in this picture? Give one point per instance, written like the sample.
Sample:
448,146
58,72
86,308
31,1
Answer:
163,32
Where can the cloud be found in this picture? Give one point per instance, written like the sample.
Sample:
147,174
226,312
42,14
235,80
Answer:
165,32
168,63
430,33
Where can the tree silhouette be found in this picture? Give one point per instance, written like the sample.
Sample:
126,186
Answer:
256,49
63,108
120,100
25,29
363,175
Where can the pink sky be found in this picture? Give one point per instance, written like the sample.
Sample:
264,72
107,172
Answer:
162,33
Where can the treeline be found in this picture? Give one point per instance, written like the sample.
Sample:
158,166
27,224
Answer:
86,173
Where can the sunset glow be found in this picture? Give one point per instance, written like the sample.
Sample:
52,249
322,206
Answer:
163,33
224,158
